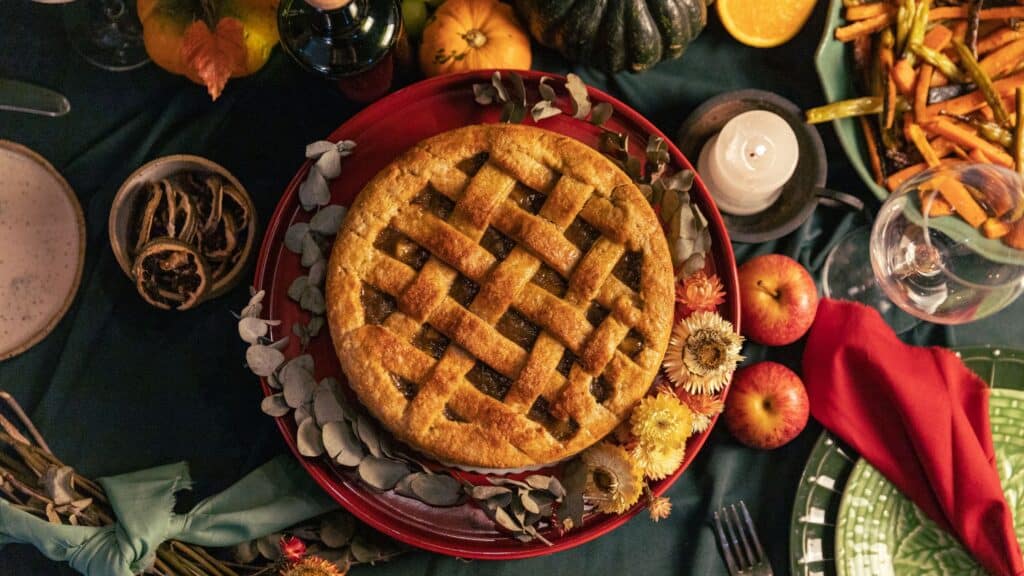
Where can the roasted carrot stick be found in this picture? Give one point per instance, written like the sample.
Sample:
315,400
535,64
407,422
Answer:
934,204
994,228
872,144
916,135
904,77
937,39
959,198
1003,60
975,100
998,39
968,139
865,11
960,12
896,179
863,27
1015,238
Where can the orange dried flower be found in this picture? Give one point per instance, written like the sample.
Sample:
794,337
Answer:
704,408
312,566
700,292
659,508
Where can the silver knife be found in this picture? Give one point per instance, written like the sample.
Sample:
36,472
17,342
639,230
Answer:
18,96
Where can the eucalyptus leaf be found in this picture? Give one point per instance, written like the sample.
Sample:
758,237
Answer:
574,478
518,91
316,323
313,300
298,385
298,287
437,489
245,553
252,329
579,96
255,305
556,489
538,481
270,546
368,434
345,147
382,473
632,168
546,91
305,532
316,149
314,191
329,164
513,112
484,94
499,501
274,405
273,381
601,113
506,482
305,361
545,501
365,552
57,484
404,486
499,87
485,492
506,521
542,110
336,529
308,439
327,403
657,151
328,220
263,360
310,251
341,444
316,272
681,181
518,511
528,503
303,413
279,345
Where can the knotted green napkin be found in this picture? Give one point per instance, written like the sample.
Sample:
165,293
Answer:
276,495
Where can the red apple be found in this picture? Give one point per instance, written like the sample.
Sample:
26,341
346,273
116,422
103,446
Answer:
767,405
778,299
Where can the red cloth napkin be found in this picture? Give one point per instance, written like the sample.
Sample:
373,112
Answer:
920,417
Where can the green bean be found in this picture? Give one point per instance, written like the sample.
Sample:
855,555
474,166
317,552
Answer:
904,22
939,60
983,81
920,23
988,130
845,109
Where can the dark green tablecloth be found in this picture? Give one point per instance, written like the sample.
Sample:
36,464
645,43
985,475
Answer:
120,386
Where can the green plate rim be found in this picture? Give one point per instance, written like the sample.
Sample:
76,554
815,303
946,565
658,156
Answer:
826,446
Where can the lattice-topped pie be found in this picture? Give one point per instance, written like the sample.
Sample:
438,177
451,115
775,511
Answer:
500,296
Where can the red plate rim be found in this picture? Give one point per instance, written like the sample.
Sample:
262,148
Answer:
725,264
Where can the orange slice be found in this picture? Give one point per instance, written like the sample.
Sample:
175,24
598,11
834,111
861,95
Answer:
764,24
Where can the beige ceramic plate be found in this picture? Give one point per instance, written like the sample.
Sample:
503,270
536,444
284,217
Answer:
42,248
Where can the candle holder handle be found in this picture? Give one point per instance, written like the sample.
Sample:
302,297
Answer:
842,200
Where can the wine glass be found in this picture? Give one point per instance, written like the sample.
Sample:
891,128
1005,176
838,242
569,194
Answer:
931,259
107,33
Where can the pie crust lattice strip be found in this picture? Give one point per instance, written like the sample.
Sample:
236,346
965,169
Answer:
500,296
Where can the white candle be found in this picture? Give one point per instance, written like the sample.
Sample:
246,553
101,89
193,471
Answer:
746,164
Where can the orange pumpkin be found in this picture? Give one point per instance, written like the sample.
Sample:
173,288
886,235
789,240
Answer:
472,35
209,41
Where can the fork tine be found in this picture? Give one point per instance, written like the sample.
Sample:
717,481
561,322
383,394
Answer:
726,550
753,532
744,537
731,529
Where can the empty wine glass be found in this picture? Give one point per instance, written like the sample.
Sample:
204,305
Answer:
931,259
107,33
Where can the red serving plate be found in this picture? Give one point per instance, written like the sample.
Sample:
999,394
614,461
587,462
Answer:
382,131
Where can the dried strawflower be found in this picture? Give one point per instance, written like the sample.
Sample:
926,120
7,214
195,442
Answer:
659,508
662,422
657,462
702,353
704,407
614,481
312,566
292,548
700,292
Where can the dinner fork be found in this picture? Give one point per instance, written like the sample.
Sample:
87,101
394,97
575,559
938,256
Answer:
741,547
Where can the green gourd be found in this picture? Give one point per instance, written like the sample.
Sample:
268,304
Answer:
616,35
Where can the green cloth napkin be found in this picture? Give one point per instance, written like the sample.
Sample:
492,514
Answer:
272,497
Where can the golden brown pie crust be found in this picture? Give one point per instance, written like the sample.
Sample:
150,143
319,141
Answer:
542,277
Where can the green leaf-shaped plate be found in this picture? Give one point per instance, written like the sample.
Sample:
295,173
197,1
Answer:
834,476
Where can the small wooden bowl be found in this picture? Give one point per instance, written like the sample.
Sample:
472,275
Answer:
121,210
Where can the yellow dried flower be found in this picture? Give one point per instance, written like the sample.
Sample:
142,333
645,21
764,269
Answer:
657,462
662,422
659,508
702,353
704,407
700,292
312,566
614,481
